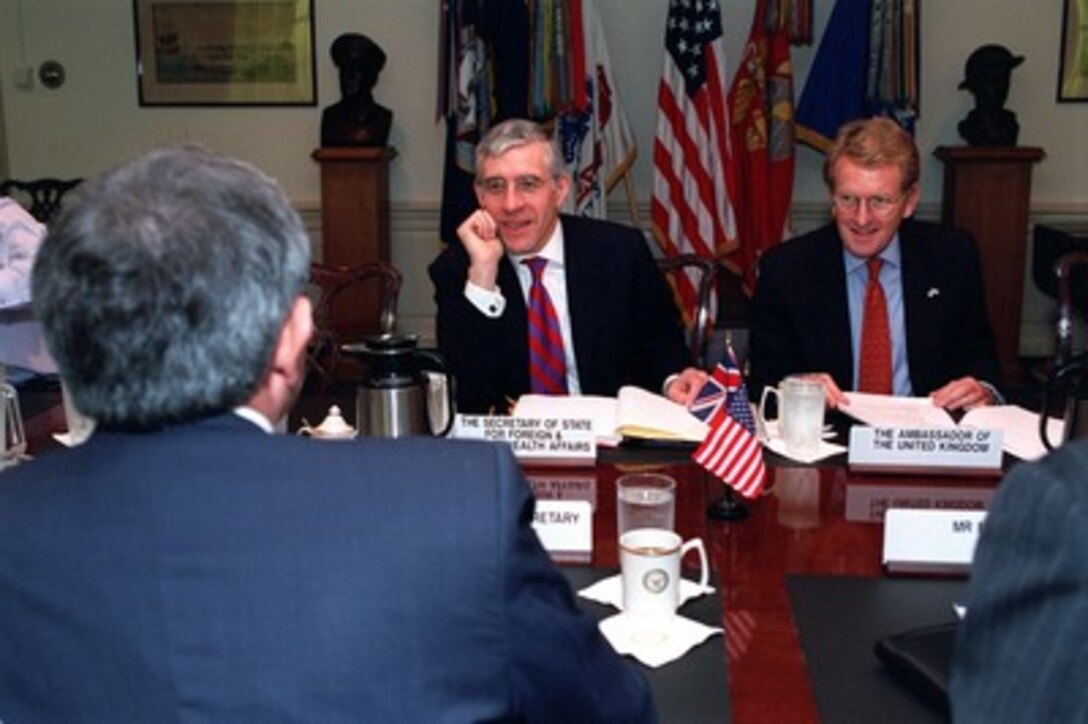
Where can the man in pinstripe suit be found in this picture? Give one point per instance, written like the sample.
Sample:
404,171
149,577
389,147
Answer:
1022,647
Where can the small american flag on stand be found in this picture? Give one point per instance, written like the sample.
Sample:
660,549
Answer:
730,450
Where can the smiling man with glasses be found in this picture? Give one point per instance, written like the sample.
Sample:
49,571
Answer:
875,301
532,300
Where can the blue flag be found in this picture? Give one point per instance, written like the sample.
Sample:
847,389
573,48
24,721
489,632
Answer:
835,89
866,65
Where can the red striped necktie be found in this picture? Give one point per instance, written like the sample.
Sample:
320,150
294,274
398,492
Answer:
547,363
875,364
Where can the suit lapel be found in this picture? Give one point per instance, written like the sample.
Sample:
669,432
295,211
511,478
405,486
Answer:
582,295
516,313
837,313
918,314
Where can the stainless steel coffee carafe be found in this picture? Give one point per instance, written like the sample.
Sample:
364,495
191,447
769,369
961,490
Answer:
392,400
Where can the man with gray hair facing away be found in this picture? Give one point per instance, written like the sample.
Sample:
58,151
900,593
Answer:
184,564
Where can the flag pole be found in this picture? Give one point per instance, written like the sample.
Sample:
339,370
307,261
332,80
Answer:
632,202
727,507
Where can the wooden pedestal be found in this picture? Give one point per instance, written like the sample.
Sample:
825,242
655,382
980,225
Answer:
987,192
355,220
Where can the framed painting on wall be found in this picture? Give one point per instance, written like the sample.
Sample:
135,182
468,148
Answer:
1073,75
225,52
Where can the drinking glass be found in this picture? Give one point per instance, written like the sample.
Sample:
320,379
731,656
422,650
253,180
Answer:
645,500
12,436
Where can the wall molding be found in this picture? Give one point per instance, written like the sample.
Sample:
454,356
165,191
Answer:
415,242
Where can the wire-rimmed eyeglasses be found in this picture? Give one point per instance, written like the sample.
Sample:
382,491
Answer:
497,186
876,205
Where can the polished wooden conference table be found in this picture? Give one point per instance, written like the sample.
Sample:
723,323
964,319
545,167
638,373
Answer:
816,520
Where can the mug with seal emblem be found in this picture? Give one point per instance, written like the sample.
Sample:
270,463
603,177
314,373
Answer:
650,572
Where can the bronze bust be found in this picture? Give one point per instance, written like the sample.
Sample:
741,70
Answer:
987,76
356,119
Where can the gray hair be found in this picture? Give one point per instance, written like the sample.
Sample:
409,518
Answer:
514,133
163,285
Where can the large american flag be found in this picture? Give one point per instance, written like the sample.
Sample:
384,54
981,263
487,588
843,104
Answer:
730,450
691,208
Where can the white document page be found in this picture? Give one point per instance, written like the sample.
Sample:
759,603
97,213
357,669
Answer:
646,415
635,413
1020,428
900,412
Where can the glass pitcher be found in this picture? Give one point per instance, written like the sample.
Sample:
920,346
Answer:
12,435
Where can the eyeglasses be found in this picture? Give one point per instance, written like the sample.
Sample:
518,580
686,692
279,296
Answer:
524,185
877,205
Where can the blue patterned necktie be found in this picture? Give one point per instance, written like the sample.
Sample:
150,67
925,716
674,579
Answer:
547,363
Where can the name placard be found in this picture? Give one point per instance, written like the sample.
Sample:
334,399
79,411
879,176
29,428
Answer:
931,541
565,529
946,451
542,441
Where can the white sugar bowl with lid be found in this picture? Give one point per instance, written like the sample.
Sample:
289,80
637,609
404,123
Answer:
333,427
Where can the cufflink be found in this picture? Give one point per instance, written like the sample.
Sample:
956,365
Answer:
933,292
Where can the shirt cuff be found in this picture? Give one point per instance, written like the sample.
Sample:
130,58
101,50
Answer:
490,302
996,398
668,381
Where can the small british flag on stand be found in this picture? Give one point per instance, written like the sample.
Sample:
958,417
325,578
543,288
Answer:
730,450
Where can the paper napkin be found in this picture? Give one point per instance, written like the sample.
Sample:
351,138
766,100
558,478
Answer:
655,647
772,438
825,450
659,646
609,591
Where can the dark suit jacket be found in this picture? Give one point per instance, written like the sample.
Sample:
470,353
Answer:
624,321
801,321
214,573
1021,649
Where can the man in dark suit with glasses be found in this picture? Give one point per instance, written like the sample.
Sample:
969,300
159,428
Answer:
875,301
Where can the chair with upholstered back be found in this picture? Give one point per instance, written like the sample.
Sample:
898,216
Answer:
696,312
41,197
349,304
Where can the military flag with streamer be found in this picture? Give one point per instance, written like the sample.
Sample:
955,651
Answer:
866,65
598,145
483,79
761,119
547,60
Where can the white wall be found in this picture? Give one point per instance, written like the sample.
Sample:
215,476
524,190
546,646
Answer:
94,120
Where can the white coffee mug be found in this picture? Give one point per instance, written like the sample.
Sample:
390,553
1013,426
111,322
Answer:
800,413
650,567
